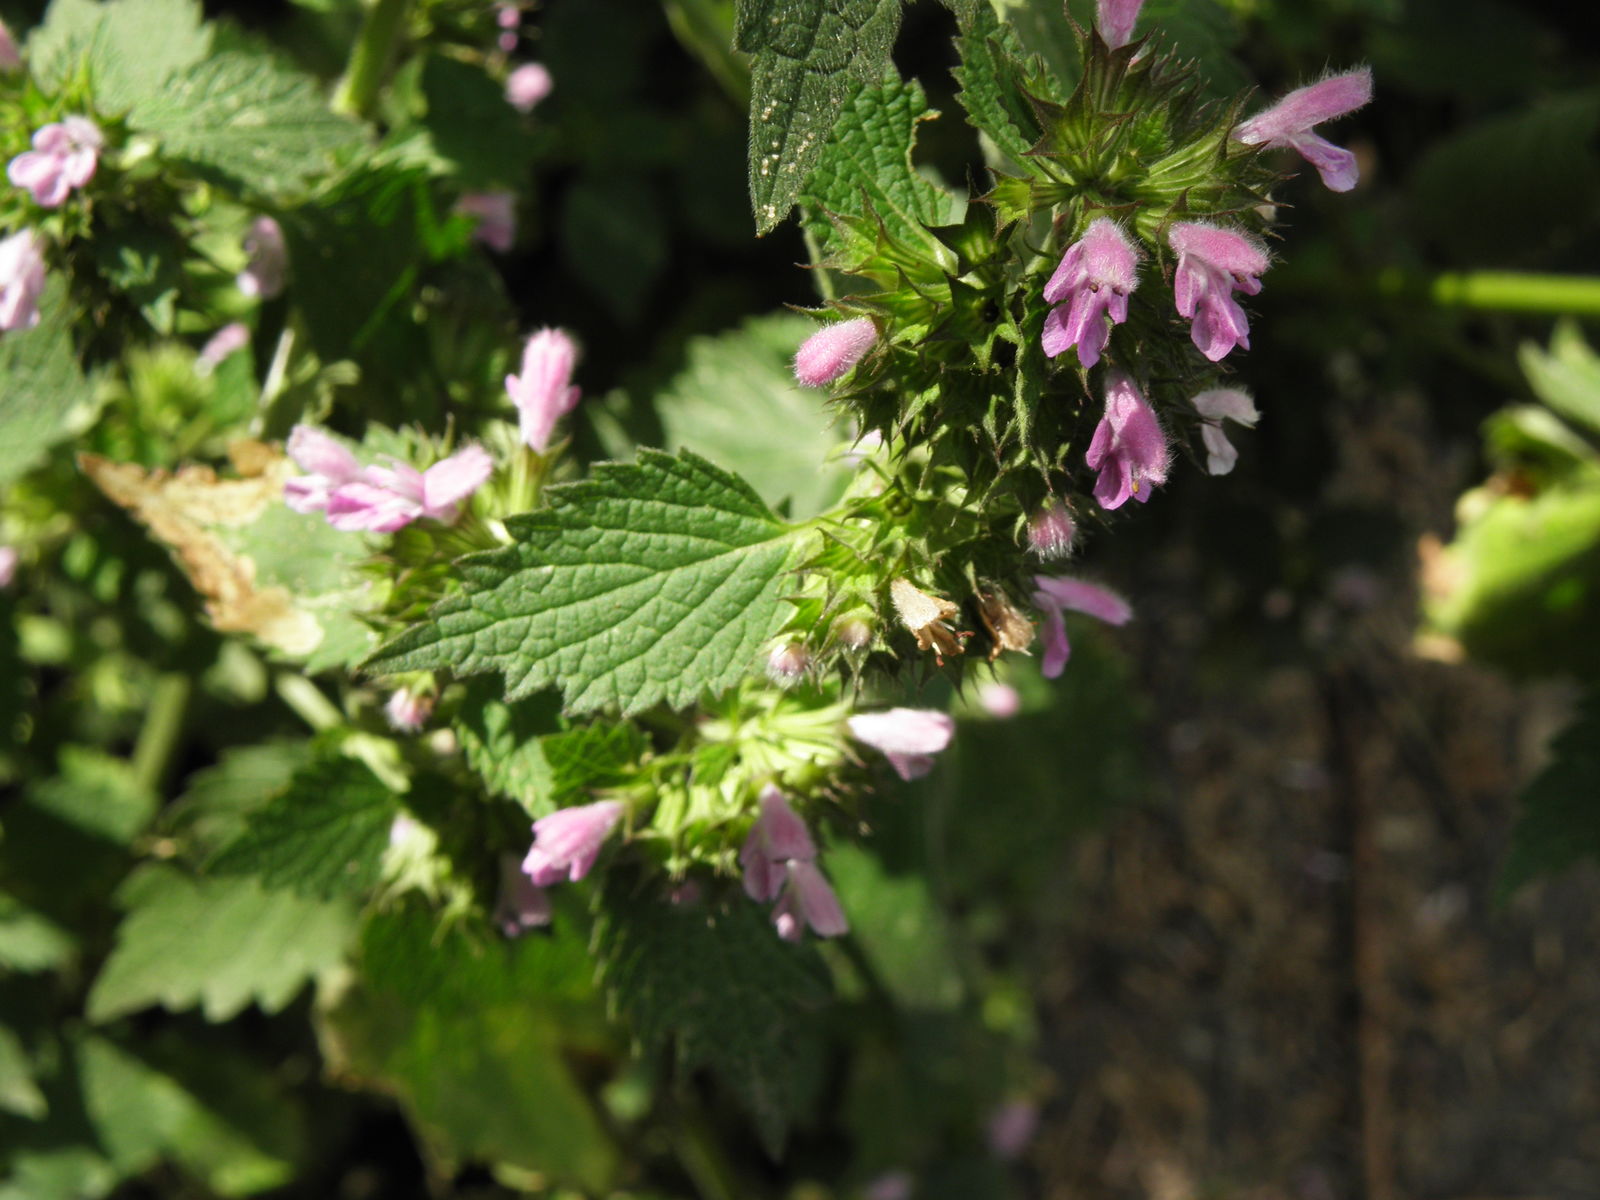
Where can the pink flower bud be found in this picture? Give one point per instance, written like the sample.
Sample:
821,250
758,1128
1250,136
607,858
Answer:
853,633
1115,20
507,16
63,157
263,276
566,843
1288,124
1000,700
507,41
1128,448
496,214
22,277
777,836
543,393
408,710
527,85
787,664
1051,531
832,350
907,737
228,340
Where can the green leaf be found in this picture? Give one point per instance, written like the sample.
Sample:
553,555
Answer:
469,1039
899,927
645,584
991,78
809,56
217,1114
219,943
1559,822
40,384
866,168
501,740
18,1092
220,801
721,987
256,124
29,941
323,836
133,47
472,127
736,403
1567,377
96,793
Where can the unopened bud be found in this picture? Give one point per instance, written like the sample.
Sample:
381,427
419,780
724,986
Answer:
853,633
1051,531
832,350
787,664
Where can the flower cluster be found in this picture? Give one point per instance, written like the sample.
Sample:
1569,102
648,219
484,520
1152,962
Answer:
378,499
779,860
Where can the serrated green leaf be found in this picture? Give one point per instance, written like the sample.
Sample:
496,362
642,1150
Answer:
1566,377
257,124
216,807
61,40
648,583
990,77
323,836
219,943
736,403
132,46
809,56
18,1092
29,941
1559,819
213,1112
501,739
724,989
866,169
40,384
469,1037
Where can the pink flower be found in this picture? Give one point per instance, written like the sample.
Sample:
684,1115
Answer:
1128,448
1056,594
807,900
543,393
384,499
1215,406
10,56
496,213
523,905
1011,1127
1091,283
21,280
1051,531
777,836
1288,123
327,463
1115,20
8,565
787,664
527,85
832,350
263,276
228,340
1000,700
566,843
907,737
408,710
1213,263
63,157
507,16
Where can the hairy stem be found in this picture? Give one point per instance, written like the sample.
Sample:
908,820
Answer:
368,67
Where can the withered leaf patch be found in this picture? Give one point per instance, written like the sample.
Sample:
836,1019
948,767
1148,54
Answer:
925,617
1008,628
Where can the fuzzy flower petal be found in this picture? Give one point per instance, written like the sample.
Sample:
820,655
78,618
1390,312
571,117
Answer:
1115,20
832,350
496,214
327,463
543,393
1215,406
1213,263
1090,284
1128,448
566,843
22,277
1055,595
808,900
63,157
527,85
1288,123
10,56
451,480
777,836
907,737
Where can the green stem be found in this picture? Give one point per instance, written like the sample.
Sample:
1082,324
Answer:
158,736
308,702
1497,291
370,57
695,1145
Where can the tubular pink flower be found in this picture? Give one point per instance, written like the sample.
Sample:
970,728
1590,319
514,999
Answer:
1213,263
384,499
543,393
527,85
1091,283
807,900
832,350
327,463
907,737
566,843
777,836
1051,531
1215,406
263,276
228,340
63,157
1128,448
1288,123
496,214
1115,20
1056,594
22,278
10,56
407,710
